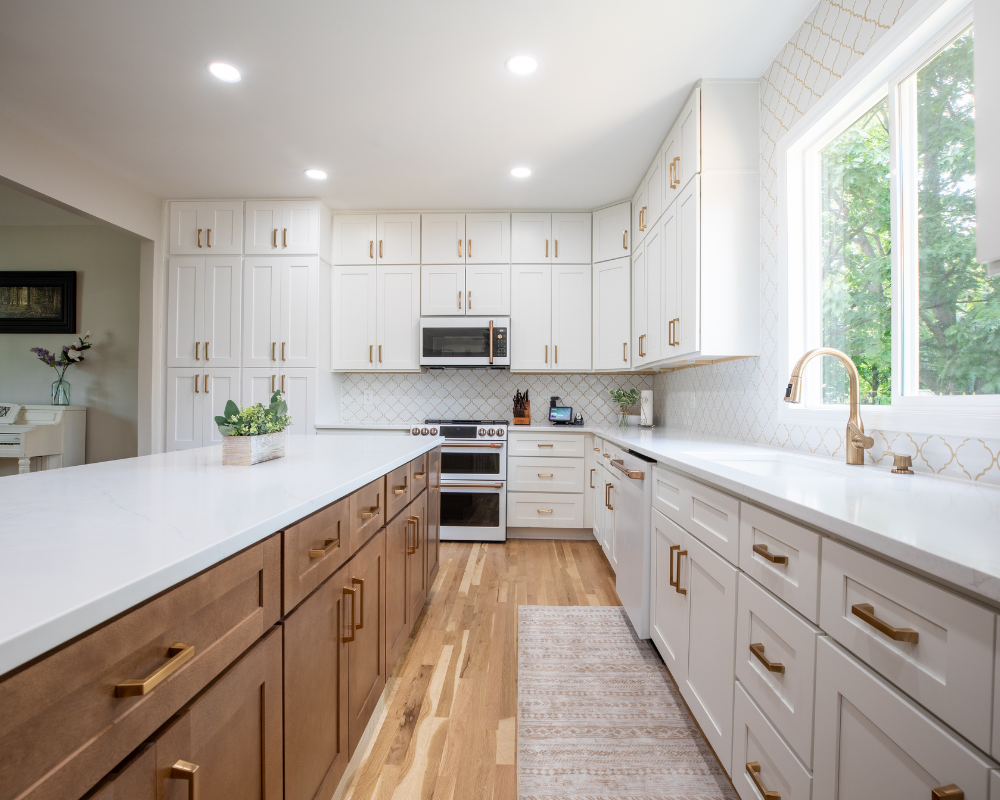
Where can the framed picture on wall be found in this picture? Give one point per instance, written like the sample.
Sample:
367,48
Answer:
37,302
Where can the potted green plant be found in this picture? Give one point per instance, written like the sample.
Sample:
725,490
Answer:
253,434
624,398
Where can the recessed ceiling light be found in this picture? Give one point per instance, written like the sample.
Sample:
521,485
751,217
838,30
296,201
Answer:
521,65
225,72
316,174
520,172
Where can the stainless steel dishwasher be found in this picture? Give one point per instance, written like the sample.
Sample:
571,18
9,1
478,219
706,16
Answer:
634,575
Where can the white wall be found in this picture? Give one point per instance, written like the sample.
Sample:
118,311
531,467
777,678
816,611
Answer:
107,265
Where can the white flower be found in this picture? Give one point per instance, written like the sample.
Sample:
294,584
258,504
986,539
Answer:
86,335
74,355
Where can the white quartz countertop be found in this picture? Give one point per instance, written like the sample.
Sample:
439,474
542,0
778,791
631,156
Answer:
944,528
83,544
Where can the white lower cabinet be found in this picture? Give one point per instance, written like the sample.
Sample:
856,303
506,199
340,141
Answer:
762,761
775,661
668,620
874,742
608,517
597,482
546,484
541,510
545,475
194,398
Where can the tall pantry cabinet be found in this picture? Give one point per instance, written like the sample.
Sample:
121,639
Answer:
241,326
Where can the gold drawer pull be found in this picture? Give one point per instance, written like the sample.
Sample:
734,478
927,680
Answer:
361,586
677,584
329,547
607,455
772,666
753,770
545,475
399,489
186,771
371,513
544,510
866,611
761,550
592,478
546,445
597,449
419,476
949,792
354,603
178,653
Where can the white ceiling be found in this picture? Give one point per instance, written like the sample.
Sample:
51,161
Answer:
405,104
18,208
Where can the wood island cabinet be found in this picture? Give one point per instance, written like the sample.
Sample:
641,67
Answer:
416,570
397,628
433,515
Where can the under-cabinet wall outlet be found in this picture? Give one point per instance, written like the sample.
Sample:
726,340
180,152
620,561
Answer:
369,398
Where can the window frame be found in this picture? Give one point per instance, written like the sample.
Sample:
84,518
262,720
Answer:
908,45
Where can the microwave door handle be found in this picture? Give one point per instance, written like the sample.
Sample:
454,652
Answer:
491,341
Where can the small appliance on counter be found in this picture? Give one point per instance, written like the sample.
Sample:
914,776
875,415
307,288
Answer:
562,415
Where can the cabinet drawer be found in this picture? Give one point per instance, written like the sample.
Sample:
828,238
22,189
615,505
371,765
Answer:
418,474
712,516
531,510
668,495
758,746
62,727
872,741
793,574
545,475
398,491
314,548
949,669
368,513
768,627
559,445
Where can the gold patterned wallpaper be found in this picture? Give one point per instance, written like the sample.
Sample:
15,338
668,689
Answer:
742,399
478,394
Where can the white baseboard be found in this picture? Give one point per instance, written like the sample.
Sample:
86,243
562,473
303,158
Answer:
568,534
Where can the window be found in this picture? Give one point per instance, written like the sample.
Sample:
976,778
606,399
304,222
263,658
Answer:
882,246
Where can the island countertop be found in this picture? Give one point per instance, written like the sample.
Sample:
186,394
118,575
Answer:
81,545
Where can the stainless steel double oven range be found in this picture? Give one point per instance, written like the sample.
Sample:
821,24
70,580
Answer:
473,478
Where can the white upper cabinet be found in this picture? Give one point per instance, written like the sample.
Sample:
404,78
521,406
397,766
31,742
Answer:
669,279
638,300
651,304
571,317
654,196
487,238
531,236
687,328
203,312
398,239
205,228
442,238
639,214
442,290
281,312
688,127
612,232
397,316
669,160
487,290
352,326
282,227
612,315
531,317
571,240
354,238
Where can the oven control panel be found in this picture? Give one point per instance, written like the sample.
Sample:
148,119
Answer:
489,431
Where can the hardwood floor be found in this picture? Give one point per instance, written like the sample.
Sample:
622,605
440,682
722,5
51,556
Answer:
449,730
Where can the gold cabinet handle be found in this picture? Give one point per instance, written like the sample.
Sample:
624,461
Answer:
380,354
371,249
592,478
607,495
624,358
673,548
597,449
546,354
419,476
677,583
468,305
400,489
555,244
178,654
206,350
283,351
370,357
545,445
771,666
204,381
197,347
611,507
607,455
186,771
208,237
556,348
273,346
641,352
468,249
949,792
544,510
353,593
866,612
274,239
196,384
380,248
670,174
373,512
284,237
459,299
677,174
753,770
762,551
545,475
329,547
282,382
624,240
459,248
546,248
361,610
272,384
416,528
199,237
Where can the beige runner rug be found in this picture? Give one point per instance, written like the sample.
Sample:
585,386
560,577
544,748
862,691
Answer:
599,717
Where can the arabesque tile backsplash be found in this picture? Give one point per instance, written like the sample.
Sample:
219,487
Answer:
478,394
742,399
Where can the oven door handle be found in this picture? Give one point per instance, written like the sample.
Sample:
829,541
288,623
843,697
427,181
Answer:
493,445
445,485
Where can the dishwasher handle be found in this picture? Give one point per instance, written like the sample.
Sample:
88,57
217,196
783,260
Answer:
634,474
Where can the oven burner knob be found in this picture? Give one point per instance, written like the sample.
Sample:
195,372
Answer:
434,431
491,431
482,431
415,431
499,431
425,431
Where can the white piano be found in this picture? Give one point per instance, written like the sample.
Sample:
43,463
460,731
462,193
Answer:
57,432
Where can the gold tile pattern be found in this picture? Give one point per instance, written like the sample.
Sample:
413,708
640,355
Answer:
479,394
742,399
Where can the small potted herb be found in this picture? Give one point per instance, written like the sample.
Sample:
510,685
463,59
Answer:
253,434
624,398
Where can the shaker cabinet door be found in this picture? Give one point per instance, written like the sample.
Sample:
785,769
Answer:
487,290
224,227
298,386
366,653
354,239
487,238
223,295
397,317
571,317
571,241
185,428
531,317
185,311
612,235
668,618
261,311
298,326
219,385
354,319
299,227
442,290
530,238
397,239
612,315
442,238
263,227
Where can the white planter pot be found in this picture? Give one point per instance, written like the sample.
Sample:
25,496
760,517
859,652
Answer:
243,451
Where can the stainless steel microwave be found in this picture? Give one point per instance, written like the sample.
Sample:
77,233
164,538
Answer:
465,342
